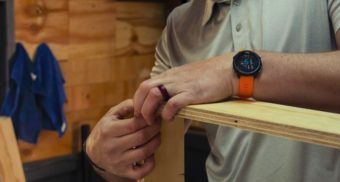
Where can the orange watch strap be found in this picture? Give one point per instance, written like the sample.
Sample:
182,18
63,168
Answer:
246,87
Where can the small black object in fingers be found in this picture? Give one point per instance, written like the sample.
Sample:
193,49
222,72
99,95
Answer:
164,92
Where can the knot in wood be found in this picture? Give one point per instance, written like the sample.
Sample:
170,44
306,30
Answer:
35,10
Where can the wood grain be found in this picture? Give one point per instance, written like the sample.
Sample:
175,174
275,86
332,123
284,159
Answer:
295,123
139,26
170,155
300,124
92,29
39,21
87,71
10,163
135,10
135,67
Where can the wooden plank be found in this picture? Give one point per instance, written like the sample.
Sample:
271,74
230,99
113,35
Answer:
141,10
10,163
296,123
92,29
49,144
39,21
170,155
135,67
85,96
87,71
138,27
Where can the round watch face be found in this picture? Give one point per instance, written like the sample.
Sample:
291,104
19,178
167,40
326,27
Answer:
247,63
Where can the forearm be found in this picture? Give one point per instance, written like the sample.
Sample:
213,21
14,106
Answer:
304,80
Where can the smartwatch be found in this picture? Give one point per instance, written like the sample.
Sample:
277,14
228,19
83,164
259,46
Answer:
247,65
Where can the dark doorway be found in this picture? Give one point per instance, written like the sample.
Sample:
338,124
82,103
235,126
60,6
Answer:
6,43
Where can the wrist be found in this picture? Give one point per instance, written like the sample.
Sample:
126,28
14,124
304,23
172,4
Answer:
101,171
233,81
94,165
247,65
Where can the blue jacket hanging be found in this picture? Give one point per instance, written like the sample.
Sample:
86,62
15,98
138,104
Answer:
49,90
19,102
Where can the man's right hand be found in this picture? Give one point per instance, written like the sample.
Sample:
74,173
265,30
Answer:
117,142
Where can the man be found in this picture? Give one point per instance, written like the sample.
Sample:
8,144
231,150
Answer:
294,44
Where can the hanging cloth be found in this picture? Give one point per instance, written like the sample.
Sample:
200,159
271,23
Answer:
19,102
49,90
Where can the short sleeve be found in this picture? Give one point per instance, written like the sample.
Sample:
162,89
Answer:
334,13
162,62
162,54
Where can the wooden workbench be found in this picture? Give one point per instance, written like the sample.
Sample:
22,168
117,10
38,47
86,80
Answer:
300,124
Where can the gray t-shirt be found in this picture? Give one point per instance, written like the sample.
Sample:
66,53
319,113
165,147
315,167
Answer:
202,29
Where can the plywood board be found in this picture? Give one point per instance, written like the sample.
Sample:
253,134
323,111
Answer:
39,21
87,71
135,67
300,124
296,123
138,27
92,29
170,155
10,163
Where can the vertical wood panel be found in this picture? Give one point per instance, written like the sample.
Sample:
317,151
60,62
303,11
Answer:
87,71
139,26
43,21
10,163
170,156
92,29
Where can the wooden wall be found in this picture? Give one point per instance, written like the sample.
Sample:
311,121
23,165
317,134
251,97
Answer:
104,48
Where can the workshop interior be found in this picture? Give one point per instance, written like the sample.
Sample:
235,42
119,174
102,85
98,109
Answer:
65,63
101,46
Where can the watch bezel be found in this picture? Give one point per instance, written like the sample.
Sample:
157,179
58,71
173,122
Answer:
239,71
